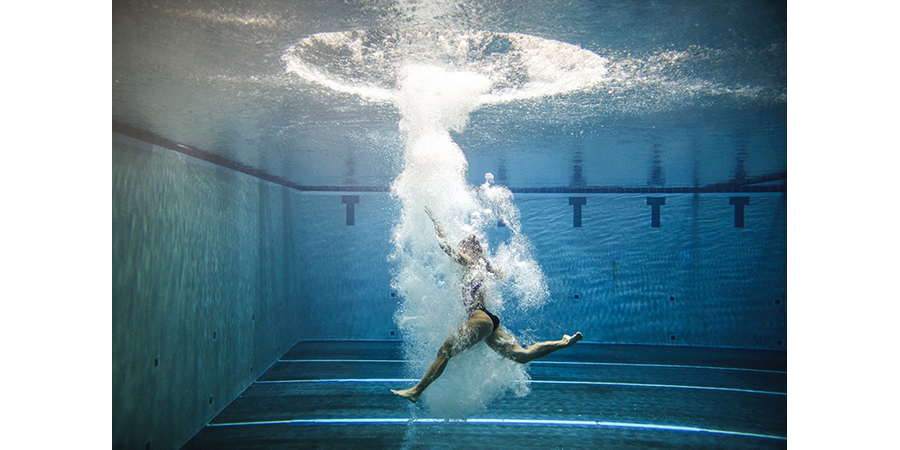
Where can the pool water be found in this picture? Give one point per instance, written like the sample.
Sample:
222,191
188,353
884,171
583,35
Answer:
275,275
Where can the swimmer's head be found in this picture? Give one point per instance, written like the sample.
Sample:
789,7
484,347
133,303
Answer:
471,246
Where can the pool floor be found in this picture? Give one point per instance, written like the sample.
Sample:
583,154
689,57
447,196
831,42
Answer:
336,394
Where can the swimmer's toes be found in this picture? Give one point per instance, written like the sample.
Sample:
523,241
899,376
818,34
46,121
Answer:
406,394
571,340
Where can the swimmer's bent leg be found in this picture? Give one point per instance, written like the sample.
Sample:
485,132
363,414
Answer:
507,347
475,330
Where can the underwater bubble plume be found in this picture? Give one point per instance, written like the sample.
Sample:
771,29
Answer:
436,79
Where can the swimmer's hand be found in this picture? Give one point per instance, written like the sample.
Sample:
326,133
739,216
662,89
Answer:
438,229
430,214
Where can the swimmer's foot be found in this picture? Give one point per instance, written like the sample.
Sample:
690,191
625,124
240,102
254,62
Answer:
569,341
408,394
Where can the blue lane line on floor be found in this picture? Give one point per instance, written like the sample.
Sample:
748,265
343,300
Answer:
573,363
586,383
508,422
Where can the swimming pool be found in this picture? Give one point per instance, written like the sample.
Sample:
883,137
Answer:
267,194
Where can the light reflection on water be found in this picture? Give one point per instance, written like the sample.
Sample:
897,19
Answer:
211,76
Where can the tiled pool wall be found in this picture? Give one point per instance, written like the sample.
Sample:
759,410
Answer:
205,290
217,272
691,269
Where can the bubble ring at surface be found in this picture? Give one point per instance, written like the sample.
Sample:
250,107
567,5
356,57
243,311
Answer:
519,66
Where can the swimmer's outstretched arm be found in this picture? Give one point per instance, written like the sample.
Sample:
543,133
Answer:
445,244
460,257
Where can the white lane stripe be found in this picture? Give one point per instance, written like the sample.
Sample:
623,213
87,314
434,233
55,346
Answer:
519,422
664,366
572,363
589,383
669,386
342,380
396,361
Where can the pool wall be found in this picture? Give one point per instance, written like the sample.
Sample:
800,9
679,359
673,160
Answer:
695,279
205,289
216,273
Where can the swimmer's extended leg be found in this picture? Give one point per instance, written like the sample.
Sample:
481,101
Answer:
434,371
474,331
506,346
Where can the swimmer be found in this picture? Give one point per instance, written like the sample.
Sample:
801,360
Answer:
481,324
